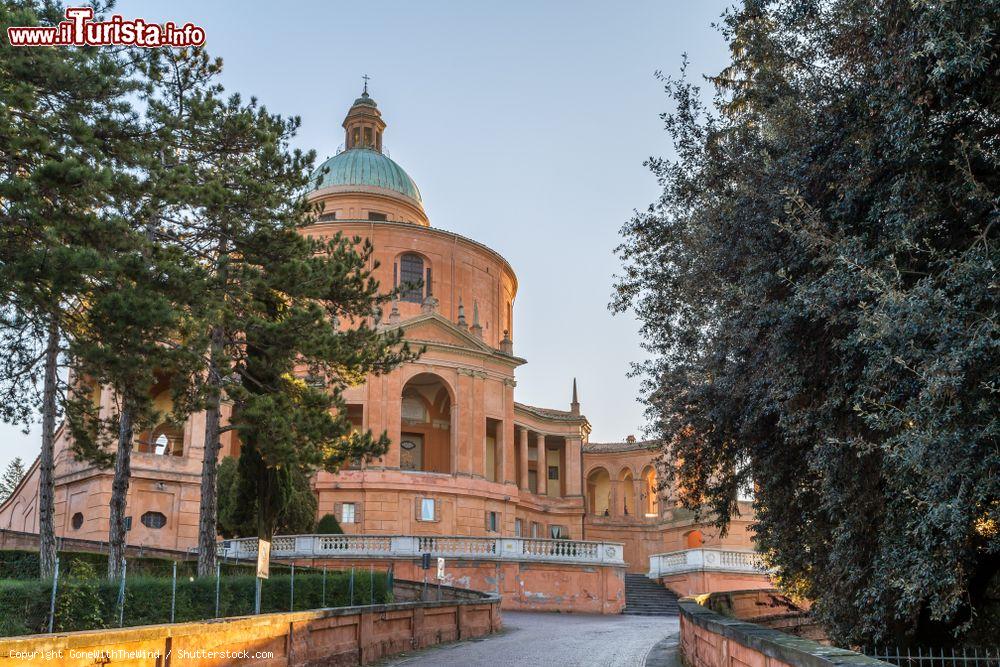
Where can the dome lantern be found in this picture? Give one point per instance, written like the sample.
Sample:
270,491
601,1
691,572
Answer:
363,126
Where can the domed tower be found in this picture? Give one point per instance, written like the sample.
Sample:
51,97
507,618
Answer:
361,182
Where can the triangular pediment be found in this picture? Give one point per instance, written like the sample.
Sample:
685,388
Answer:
435,328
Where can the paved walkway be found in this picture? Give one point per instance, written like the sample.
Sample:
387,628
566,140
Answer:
558,640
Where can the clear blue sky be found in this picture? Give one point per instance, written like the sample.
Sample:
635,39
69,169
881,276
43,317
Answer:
524,124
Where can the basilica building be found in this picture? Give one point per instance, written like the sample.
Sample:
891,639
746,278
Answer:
466,459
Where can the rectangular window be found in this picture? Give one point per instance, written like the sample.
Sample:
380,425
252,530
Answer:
377,217
536,529
427,283
558,532
411,274
347,513
518,527
492,522
128,523
427,509
553,472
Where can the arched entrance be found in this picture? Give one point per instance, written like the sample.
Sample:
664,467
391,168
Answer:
599,492
425,425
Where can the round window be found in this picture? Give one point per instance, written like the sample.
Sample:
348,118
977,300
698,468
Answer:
77,521
153,520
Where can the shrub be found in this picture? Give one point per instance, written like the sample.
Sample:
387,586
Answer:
78,600
24,565
328,525
91,602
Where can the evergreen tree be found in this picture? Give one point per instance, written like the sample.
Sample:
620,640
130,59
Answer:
288,426
241,215
65,153
817,288
297,517
12,476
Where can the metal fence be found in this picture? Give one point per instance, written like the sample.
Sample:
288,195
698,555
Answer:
936,657
290,588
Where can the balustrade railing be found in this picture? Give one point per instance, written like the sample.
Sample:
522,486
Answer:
413,546
719,560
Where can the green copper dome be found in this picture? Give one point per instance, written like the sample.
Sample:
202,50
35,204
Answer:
363,166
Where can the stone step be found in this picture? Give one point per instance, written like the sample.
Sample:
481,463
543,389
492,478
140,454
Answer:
645,597
665,605
650,613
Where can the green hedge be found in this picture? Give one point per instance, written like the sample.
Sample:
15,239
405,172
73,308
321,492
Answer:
81,601
24,565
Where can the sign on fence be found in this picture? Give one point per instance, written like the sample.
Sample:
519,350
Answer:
263,558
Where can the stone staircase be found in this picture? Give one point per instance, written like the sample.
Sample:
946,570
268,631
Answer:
645,597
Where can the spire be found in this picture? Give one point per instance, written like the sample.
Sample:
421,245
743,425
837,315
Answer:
461,314
477,329
574,406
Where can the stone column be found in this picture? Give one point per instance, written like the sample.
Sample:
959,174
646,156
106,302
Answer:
523,473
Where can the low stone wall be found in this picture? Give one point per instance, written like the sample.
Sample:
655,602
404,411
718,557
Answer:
15,539
525,586
769,608
709,639
342,636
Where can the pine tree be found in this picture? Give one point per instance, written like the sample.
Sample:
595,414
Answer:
288,426
64,155
241,213
12,476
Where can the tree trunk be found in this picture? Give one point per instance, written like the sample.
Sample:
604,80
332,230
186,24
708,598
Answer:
208,512
119,493
46,483
267,518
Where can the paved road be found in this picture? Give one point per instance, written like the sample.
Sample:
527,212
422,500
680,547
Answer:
553,640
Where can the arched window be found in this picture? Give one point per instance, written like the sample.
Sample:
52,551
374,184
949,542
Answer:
411,277
153,520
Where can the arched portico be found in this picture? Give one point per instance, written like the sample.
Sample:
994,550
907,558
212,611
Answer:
599,492
627,505
425,429
650,495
